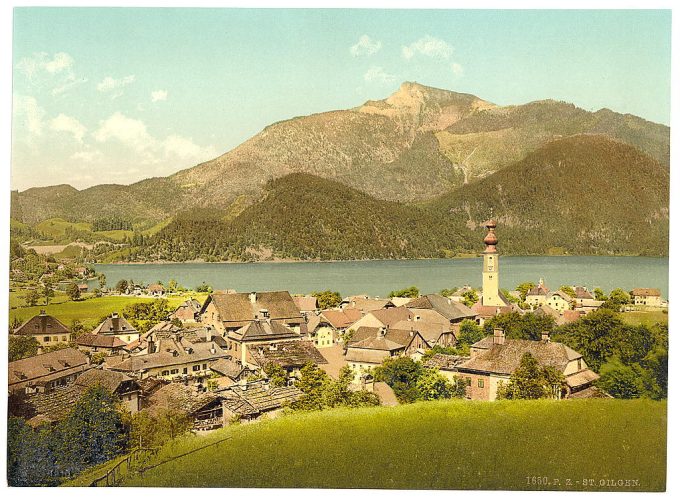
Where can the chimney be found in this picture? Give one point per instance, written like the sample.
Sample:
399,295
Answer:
381,332
264,313
253,297
43,321
115,321
208,334
545,336
498,336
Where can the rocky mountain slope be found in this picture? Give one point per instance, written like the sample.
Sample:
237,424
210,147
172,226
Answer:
415,145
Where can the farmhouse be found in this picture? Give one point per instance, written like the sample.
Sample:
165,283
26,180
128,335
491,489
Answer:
646,297
204,408
117,326
46,372
251,399
371,345
255,333
228,313
45,329
493,360
188,311
291,355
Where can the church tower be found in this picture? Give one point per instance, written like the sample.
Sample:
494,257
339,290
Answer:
490,294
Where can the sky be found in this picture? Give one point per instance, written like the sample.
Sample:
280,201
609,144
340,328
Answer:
119,95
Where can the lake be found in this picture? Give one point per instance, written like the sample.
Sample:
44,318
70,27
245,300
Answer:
378,278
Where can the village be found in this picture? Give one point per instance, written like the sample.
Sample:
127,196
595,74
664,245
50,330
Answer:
237,356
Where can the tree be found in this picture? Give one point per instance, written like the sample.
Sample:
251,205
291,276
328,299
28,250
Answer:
599,294
172,285
102,280
47,291
620,380
327,299
311,383
77,329
401,374
122,286
524,288
617,298
97,358
569,291
529,326
31,297
470,298
532,381
154,430
448,292
347,336
433,386
22,347
470,333
204,288
277,375
93,432
73,291
411,292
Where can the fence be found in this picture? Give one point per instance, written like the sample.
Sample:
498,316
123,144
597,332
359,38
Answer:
114,475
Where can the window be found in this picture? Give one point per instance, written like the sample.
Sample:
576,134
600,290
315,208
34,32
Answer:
165,373
196,368
185,370
480,383
46,339
205,366
174,371
63,338
468,380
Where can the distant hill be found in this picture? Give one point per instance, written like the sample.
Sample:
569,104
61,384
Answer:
415,145
586,194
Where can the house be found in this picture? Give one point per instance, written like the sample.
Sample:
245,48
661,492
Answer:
365,304
188,311
559,301
126,388
493,360
176,362
290,355
228,373
538,295
46,372
371,345
117,326
560,317
249,400
385,317
228,313
156,290
400,301
45,329
486,312
321,331
305,304
447,308
257,332
204,408
458,296
340,320
98,343
587,305
646,297
434,333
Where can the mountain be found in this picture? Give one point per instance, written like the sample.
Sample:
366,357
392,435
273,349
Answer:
415,145
585,194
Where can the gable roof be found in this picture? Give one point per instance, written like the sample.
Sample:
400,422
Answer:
365,304
55,405
287,354
157,360
443,361
178,396
341,319
109,380
431,332
46,367
256,397
191,304
446,307
227,367
538,290
563,295
100,341
305,303
390,316
237,308
263,330
582,293
41,324
641,291
115,326
373,344
505,358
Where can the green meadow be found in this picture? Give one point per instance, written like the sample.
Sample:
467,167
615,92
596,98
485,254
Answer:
88,310
522,445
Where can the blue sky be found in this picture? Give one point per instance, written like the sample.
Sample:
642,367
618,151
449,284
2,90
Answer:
119,95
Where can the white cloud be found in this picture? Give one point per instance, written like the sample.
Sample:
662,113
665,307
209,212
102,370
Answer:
378,74
27,114
110,83
133,133
68,85
159,95
366,46
457,69
428,46
41,61
64,123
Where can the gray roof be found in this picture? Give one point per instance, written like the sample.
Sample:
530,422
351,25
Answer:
448,308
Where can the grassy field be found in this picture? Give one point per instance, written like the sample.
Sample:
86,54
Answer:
644,317
433,445
88,311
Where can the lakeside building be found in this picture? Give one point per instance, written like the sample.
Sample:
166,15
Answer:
117,326
647,297
45,329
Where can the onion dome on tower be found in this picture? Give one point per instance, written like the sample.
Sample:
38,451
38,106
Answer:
491,239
